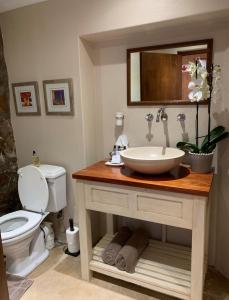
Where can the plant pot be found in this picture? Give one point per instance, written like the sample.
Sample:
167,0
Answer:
186,160
201,162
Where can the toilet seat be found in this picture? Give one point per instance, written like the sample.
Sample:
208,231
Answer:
25,221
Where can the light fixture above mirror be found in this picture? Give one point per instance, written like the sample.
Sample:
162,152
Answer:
157,75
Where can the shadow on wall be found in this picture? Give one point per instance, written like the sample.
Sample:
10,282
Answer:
9,200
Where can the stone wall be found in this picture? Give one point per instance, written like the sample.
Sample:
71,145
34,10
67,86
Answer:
9,200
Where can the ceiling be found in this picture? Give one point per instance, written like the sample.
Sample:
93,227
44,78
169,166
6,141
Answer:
6,5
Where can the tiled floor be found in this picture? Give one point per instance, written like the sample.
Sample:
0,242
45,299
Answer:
59,278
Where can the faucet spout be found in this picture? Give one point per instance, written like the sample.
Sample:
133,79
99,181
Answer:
160,110
161,114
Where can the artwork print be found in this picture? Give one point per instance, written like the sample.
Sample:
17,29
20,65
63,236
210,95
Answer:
26,98
58,96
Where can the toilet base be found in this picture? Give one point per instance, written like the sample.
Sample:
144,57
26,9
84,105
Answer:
22,266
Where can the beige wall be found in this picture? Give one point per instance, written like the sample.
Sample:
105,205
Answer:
110,64
221,114
42,42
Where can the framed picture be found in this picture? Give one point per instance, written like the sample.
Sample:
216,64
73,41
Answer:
26,98
58,96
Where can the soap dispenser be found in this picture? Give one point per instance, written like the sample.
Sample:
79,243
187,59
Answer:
35,159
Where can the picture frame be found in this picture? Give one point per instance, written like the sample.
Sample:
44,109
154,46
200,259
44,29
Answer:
58,95
26,98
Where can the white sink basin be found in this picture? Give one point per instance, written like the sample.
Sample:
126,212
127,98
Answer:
152,160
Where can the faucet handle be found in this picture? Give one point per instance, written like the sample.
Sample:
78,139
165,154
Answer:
149,117
181,117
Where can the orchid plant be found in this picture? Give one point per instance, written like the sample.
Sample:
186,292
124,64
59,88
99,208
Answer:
199,83
203,85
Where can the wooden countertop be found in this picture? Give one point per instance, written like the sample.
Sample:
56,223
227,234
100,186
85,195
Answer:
181,179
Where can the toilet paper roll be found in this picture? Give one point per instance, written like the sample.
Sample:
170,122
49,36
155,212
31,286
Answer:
73,240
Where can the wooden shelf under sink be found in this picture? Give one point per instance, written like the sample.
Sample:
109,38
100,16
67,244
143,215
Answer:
163,266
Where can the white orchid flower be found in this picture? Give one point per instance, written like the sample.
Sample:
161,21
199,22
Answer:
199,83
195,96
217,69
192,69
216,74
202,63
203,73
200,90
195,84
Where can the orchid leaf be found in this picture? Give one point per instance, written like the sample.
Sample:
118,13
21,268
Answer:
213,134
211,148
188,147
208,146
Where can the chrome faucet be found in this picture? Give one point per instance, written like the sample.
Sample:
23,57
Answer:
161,113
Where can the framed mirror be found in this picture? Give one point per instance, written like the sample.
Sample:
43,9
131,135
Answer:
157,75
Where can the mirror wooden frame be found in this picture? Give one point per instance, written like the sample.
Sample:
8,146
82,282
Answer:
209,50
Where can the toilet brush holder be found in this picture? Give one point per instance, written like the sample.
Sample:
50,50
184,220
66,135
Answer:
72,236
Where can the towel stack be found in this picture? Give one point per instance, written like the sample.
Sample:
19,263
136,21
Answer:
125,248
113,248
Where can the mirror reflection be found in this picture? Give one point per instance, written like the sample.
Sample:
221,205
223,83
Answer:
158,75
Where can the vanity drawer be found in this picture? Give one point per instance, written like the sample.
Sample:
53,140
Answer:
106,199
163,207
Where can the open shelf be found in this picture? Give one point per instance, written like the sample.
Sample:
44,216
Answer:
162,267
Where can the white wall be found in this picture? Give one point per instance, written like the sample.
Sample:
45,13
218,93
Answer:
42,42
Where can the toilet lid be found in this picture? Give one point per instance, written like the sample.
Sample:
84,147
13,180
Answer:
33,189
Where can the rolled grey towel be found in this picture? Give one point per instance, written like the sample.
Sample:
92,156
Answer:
113,248
128,256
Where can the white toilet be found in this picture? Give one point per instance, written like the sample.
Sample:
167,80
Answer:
41,190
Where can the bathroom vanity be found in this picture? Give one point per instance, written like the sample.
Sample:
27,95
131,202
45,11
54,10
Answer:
178,198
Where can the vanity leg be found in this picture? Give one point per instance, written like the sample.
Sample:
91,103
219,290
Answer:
207,235
198,249
85,233
111,223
